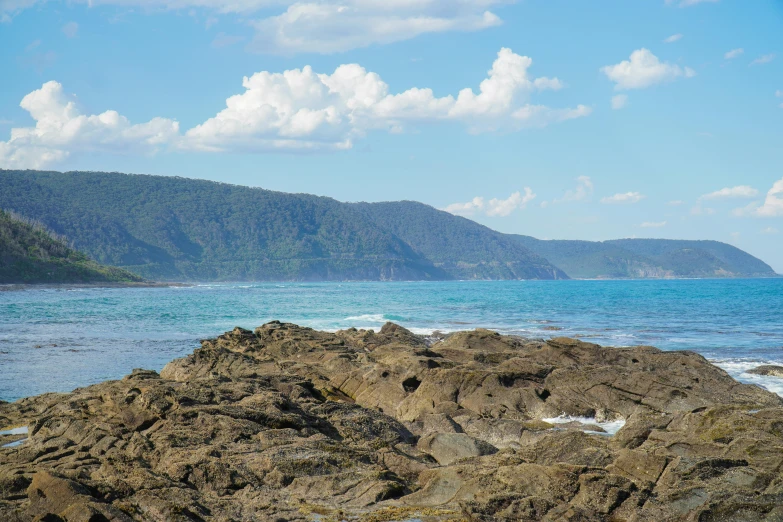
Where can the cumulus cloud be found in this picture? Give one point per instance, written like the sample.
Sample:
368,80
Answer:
734,53
673,38
741,191
642,70
493,207
584,189
761,60
294,110
624,198
324,26
61,128
773,204
653,224
303,109
619,101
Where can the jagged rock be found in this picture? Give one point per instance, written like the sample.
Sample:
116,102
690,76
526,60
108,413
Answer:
768,370
288,423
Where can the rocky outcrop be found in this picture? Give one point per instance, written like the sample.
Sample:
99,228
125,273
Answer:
768,370
287,423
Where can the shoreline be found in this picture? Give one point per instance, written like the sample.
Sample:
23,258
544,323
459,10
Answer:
287,422
11,287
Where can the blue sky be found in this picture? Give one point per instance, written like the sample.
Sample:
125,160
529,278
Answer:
595,120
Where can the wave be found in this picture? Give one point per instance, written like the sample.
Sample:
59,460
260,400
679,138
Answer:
738,369
368,318
609,427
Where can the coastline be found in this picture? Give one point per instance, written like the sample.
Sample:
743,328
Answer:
287,422
65,286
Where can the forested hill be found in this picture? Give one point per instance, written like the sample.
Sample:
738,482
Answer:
169,228
648,258
464,248
177,229
30,254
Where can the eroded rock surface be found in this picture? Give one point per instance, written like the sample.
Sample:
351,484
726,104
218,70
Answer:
288,423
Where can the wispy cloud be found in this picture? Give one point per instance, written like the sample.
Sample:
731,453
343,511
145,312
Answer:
624,198
734,53
71,29
619,101
741,191
673,38
688,3
584,189
761,60
653,224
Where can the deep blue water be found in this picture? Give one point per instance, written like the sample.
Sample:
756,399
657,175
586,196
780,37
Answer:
60,339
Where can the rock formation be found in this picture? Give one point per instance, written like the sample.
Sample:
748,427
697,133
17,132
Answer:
287,423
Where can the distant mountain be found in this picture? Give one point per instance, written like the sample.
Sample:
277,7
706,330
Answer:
169,228
30,254
463,248
177,229
648,258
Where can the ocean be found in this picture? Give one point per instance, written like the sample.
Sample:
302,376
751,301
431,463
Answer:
58,339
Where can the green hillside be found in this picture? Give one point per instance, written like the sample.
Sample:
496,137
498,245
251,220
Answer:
30,254
648,258
463,248
177,229
168,228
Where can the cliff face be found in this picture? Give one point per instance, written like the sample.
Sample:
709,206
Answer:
288,423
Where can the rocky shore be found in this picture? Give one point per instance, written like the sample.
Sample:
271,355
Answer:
288,423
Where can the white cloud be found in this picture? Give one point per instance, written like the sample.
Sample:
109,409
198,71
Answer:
688,3
323,26
773,204
494,207
734,53
627,197
294,110
741,191
328,27
779,94
770,231
675,203
761,60
619,101
61,128
70,29
673,38
583,190
642,70
653,224
302,109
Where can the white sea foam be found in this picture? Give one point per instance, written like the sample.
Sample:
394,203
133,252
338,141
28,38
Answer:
738,368
367,318
609,427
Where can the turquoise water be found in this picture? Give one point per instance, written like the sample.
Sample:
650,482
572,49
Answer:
60,339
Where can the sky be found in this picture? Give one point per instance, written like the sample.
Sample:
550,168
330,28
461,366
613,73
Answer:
560,119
